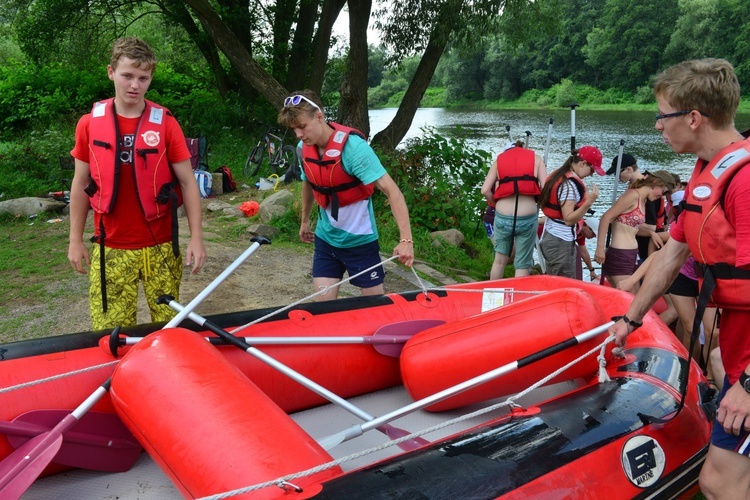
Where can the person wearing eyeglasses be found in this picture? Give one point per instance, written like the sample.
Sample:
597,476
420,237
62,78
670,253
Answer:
565,200
698,101
340,174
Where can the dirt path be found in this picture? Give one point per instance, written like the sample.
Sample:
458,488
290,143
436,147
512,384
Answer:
272,277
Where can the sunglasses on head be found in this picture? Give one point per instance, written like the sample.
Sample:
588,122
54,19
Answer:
296,99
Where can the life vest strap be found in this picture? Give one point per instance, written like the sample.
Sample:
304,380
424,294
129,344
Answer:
332,192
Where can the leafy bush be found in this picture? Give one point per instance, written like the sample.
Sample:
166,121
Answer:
565,93
644,95
440,179
31,166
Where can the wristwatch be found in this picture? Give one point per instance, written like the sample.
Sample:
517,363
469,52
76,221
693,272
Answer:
745,382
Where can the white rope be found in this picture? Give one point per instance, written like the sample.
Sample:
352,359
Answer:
322,291
314,470
56,377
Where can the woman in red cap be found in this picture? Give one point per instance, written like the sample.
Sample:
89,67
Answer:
627,215
565,200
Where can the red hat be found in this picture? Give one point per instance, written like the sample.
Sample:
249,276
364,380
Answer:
592,155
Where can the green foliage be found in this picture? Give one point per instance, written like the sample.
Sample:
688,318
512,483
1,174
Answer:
30,166
440,179
565,93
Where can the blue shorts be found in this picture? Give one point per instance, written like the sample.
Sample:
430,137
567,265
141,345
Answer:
721,439
332,262
524,238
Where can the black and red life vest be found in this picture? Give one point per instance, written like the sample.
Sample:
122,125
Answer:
515,173
708,233
156,185
553,207
330,183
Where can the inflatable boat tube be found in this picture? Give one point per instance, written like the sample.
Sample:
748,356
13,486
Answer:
449,354
188,407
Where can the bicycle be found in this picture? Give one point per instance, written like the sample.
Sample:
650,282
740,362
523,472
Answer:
282,158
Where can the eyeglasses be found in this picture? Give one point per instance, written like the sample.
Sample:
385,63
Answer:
679,113
296,99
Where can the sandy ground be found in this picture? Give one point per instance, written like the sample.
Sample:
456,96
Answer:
273,276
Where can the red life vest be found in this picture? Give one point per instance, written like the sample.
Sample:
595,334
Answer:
326,175
708,233
515,173
553,208
155,183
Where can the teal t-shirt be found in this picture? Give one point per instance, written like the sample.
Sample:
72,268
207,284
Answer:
356,222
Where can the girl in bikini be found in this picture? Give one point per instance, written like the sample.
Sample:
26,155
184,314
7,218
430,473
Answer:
627,215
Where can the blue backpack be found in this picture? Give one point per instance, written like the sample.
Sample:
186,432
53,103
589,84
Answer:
204,182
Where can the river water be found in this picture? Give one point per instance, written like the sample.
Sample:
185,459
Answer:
604,129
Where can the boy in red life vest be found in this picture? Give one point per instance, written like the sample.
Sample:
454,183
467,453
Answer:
132,166
513,186
697,103
340,172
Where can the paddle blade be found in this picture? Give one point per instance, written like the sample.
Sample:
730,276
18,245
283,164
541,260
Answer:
395,433
98,441
21,468
400,329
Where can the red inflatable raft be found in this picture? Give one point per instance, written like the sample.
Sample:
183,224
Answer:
215,418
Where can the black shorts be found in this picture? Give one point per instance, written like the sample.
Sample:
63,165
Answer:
683,286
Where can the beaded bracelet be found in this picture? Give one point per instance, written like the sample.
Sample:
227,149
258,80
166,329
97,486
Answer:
628,321
406,241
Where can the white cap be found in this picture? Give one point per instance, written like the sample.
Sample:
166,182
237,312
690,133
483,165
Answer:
510,144
593,224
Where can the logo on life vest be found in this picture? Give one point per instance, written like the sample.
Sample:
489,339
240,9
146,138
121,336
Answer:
643,460
339,136
701,192
151,138
333,153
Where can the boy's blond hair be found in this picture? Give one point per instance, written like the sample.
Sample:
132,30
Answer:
709,86
136,49
289,115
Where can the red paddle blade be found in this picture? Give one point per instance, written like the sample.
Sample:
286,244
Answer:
21,468
401,329
98,441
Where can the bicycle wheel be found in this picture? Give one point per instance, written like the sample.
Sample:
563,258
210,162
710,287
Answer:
286,163
254,161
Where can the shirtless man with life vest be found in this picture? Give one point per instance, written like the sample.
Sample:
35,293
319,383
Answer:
697,102
513,186
340,172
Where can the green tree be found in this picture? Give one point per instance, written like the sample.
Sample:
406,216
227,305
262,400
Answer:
627,45
712,28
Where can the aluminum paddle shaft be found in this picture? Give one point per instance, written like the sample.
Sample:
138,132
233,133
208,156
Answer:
358,430
385,428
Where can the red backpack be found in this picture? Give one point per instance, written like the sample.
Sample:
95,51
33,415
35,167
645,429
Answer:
228,184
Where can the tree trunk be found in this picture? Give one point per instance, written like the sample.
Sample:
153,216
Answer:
390,136
238,55
282,26
302,45
331,10
177,11
353,104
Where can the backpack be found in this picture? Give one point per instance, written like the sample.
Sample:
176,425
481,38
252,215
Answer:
204,182
227,180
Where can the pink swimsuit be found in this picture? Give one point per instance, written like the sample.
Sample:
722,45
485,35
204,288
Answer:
635,218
